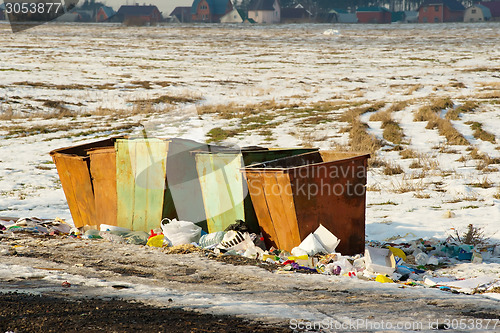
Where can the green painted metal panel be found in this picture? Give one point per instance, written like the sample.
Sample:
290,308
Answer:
141,168
221,187
225,194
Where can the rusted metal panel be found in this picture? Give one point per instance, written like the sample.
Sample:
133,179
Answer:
103,171
73,167
76,182
325,188
140,178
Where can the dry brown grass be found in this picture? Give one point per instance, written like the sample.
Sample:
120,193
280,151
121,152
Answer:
480,133
430,113
409,153
360,140
408,185
392,132
422,195
393,168
413,89
398,106
353,114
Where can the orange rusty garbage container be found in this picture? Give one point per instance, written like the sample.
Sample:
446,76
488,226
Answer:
73,167
292,196
103,172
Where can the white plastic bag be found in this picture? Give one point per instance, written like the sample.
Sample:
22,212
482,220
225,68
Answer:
180,232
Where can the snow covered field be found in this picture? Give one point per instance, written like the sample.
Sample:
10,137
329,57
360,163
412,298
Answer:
65,84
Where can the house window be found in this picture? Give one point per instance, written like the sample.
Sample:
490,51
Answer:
425,9
256,14
436,8
473,11
425,19
436,20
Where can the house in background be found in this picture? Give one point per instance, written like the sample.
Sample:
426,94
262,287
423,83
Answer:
341,16
2,11
138,15
298,14
477,13
232,17
104,14
407,16
182,14
264,11
210,10
373,15
438,11
494,7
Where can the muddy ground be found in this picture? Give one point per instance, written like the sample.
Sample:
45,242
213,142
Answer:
21,312
136,287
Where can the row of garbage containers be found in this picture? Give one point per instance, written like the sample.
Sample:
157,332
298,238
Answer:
284,193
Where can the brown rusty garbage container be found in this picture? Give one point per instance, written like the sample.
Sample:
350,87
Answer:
292,196
103,173
73,167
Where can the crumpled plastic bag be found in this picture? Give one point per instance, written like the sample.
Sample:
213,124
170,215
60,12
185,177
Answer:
180,232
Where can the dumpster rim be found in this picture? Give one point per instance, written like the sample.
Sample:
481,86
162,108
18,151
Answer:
254,168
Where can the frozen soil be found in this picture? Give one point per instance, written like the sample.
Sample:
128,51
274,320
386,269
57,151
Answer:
22,312
109,276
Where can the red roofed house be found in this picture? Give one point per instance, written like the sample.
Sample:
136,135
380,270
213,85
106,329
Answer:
138,15
104,13
494,7
438,11
210,10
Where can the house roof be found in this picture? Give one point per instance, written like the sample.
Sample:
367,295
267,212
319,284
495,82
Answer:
136,10
486,11
372,9
451,4
493,6
338,10
261,5
294,13
217,7
181,11
108,11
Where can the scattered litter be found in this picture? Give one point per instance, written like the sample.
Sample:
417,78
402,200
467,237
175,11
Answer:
180,232
66,284
380,260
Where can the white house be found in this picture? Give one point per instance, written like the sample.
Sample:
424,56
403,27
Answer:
477,13
231,17
264,11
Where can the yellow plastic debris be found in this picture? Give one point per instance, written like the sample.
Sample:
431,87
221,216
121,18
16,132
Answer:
397,252
156,241
383,279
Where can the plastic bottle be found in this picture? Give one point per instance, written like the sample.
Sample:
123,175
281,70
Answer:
421,259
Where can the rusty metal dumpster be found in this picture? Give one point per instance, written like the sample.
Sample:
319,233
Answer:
223,188
103,173
292,196
73,167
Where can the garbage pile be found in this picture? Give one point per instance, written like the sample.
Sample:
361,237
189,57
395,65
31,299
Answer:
35,225
410,264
